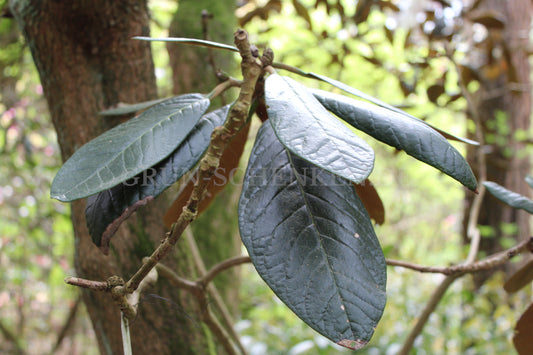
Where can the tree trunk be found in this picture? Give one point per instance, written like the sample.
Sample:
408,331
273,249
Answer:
503,105
198,62
88,62
216,230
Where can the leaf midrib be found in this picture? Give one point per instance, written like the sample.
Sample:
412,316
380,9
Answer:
315,227
158,123
319,123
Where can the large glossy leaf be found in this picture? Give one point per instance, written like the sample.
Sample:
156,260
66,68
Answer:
312,241
511,198
128,149
380,103
108,209
402,132
362,95
308,130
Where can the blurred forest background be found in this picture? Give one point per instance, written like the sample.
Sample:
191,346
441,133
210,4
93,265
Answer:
439,60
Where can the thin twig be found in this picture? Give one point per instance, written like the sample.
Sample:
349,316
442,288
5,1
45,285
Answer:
198,289
177,281
223,265
487,263
220,138
93,285
68,325
213,291
149,281
430,307
206,16
200,296
212,322
220,88
11,337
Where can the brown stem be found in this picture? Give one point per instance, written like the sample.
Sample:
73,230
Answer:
177,281
213,291
487,263
453,273
251,69
11,337
220,88
221,266
430,307
199,291
214,325
93,285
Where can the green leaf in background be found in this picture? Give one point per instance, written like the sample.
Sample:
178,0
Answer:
415,137
369,98
308,130
128,149
124,109
106,210
511,198
311,240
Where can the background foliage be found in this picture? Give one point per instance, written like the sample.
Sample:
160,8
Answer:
423,208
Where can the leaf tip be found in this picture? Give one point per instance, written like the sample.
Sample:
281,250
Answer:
58,196
352,344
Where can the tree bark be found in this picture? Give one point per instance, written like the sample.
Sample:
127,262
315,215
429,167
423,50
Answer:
196,62
216,230
88,62
503,105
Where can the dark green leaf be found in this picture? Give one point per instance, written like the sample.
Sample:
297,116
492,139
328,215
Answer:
369,98
108,209
190,41
311,132
402,132
511,198
128,149
124,109
311,240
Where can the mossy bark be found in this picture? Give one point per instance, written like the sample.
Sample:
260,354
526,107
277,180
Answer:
193,61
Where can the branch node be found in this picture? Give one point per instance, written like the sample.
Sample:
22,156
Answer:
268,57
254,50
114,281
